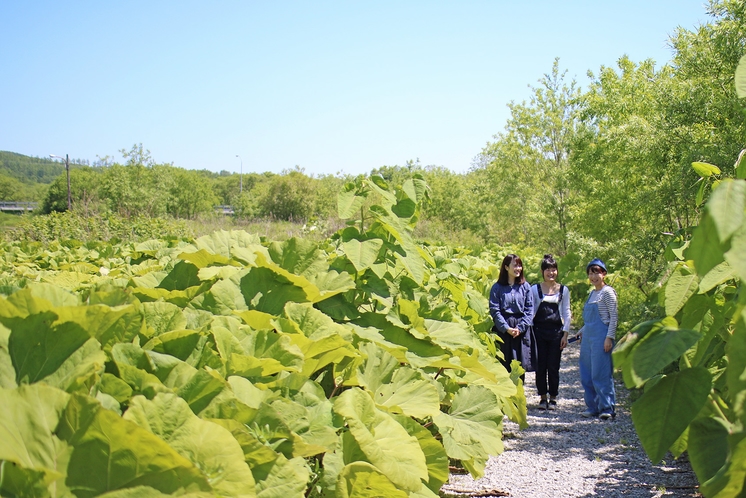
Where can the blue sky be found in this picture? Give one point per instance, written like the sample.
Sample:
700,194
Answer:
330,86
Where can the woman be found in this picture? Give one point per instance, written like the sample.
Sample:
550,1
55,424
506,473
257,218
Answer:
511,308
551,326
597,340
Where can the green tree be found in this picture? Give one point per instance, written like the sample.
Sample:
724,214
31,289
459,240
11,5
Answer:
191,193
525,172
85,184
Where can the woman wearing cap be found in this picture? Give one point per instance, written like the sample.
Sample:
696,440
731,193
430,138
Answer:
597,336
551,325
511,308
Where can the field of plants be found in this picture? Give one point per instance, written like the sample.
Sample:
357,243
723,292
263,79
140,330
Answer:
235,366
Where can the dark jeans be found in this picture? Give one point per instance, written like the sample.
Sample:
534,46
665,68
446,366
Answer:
548,361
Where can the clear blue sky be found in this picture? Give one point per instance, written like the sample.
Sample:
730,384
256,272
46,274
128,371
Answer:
329,86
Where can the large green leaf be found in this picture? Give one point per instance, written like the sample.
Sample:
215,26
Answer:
38,348
731,478
362,254
658,349
472,430
383,441
665,410
112,453
736,370
435,454
81,370
377,368
705,249
28,418
740,78
282,478
705,169
726,207
736,256
410,393
226,243
298,256
349,203
708,447
223,298
682,284
210,447
268,290
162,317
363,480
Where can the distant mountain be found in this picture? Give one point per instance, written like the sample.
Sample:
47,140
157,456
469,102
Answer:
29,169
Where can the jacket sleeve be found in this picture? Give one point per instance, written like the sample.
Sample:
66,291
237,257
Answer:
495,310
528,309
536,302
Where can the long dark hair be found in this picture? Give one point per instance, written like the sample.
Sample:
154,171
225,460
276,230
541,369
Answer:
502,279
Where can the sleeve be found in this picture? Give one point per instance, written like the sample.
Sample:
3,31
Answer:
610,303
565,312
535,297
495,309
528,309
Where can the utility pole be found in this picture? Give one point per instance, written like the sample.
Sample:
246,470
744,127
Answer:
240,181
67,170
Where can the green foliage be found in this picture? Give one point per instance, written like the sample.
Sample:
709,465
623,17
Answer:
230,365
94,227
691,362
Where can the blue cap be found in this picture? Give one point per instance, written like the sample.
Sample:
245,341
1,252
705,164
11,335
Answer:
596,262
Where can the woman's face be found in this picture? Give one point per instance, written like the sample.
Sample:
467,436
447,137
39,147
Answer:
550,275
596,275
514,269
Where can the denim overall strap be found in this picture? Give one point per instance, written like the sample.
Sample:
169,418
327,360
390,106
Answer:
596,367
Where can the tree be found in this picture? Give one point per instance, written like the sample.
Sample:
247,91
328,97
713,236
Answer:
525,170
85,184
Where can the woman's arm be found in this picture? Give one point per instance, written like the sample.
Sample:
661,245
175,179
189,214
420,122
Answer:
496,309
564,308
607,308
536,301
528,308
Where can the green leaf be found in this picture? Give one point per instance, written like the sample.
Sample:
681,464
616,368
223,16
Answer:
435,454
736,369
363,480
729,481
28,418
736,256
665,410
37,348
203,259
113,453
362,254
726,206
705,249
659,349
210,447
298,256
282,478
682,284
740,78
409,393
705,169
718,275
382,440
349,204
708,447
472,430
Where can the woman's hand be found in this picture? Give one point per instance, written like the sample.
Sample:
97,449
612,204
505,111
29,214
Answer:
563,341
513,332
608,344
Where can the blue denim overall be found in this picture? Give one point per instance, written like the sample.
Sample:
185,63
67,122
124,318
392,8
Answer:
596,368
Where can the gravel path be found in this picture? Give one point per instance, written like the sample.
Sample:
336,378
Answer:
562,454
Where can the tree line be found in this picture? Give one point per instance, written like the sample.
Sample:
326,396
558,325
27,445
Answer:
604,169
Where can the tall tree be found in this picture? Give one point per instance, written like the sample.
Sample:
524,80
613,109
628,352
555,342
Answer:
526,167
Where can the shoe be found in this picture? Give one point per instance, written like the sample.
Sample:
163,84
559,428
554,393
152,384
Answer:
543,405
552,404
588,414
606,416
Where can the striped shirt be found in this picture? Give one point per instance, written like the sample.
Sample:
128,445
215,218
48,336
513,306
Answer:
607,308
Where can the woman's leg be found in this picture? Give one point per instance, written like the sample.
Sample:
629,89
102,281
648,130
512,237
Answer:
554,355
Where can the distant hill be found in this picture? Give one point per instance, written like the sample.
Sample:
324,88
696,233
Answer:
29,169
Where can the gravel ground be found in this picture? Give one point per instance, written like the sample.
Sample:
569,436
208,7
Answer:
562,454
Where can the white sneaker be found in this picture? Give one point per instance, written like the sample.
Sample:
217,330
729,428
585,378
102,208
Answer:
588,414
605,416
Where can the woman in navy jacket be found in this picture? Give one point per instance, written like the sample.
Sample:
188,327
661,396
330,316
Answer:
511,308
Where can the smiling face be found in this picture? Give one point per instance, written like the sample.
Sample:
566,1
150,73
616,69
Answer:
515,268
550,275
596,275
